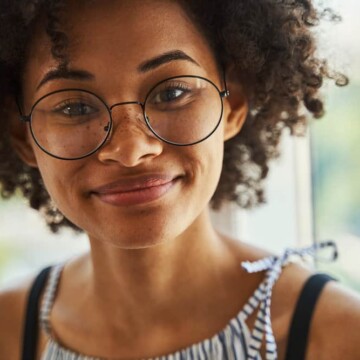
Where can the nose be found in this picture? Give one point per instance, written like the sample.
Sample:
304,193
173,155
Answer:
130,142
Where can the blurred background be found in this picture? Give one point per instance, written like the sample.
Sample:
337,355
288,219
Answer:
313,192
335,148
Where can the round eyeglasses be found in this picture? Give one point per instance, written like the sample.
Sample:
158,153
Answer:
70,124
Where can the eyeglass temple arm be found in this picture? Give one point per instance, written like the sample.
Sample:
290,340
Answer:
225,93
22,118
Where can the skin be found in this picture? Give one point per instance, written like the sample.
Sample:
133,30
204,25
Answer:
137,309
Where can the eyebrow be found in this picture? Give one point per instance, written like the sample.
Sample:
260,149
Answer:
148,65
64,73
164,59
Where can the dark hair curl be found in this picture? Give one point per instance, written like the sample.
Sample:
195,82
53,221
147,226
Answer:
269,44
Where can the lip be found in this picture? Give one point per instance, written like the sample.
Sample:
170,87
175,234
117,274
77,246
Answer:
135,190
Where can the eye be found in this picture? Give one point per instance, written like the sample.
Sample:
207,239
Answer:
168,93
75,109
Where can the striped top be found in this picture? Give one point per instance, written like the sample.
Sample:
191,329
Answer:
235,342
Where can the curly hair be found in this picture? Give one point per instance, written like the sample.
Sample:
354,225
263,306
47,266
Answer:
269,43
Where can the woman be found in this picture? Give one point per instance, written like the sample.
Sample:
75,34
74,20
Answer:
122,119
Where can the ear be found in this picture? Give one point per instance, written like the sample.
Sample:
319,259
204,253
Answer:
20,137
235,107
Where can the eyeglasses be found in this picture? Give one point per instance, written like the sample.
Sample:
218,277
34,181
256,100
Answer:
71,124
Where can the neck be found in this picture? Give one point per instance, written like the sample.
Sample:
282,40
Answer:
159,279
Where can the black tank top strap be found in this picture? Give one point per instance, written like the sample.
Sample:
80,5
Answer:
300,324
31,325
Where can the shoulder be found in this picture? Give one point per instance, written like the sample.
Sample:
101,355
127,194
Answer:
335,327
13,301
335,324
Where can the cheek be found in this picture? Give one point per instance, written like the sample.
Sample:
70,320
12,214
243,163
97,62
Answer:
207,158
60,179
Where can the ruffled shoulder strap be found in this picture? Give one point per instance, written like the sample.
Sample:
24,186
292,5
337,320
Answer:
49,297
261,299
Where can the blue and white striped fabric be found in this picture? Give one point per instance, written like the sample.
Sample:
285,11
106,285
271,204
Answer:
234,342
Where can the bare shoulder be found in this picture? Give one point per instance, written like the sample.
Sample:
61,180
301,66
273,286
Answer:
335,325
287,288
335,328
13,301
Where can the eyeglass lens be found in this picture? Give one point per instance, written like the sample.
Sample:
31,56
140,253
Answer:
70,124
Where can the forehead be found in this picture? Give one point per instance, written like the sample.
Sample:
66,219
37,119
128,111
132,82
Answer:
127,24
108,35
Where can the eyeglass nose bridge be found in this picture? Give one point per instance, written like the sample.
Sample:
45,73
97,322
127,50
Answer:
142,105
110,108
127,103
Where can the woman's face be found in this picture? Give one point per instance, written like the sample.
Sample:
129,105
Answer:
136,190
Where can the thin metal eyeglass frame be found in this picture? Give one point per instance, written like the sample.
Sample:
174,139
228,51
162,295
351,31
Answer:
27,118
